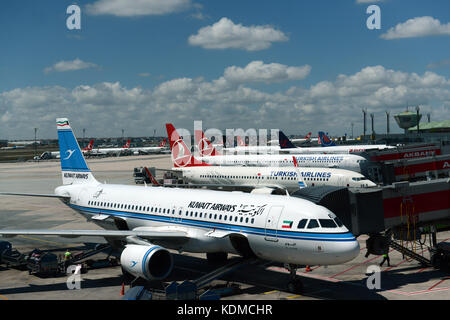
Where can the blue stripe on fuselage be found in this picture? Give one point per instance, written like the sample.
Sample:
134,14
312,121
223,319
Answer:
222,226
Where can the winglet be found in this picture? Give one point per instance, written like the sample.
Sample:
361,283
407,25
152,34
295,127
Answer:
300,181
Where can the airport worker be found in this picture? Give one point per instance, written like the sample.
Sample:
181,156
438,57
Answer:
386,258
67,255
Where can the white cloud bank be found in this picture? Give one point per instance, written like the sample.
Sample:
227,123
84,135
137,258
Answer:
225,34
72,65
417,27
226,102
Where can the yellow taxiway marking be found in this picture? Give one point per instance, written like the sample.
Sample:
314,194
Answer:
42,240
297,295
269,292
3,297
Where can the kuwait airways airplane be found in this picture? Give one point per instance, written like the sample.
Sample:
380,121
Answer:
151,220
259,179
211,156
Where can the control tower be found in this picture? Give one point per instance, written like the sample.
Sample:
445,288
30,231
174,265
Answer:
407,119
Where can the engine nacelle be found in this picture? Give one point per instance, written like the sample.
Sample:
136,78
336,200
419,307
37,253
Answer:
149,262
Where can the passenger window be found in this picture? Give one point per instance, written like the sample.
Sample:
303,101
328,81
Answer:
327,223
302,224
313,224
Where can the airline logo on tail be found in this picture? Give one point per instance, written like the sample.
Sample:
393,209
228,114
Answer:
240,142
324,140
284,141
181,155
126,145
163,143
89,146
204,146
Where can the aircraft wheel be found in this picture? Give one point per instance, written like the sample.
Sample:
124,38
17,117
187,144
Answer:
295,286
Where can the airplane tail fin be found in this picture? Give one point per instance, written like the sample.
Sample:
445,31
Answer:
89,146
240,142
181,155
163,143
308,136
126,145
152,178
204,146
285,143
324,140
73,165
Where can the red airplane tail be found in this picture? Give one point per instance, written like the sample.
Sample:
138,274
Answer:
181,154
240,142
163,143
127,145
204,146
89,146
308,136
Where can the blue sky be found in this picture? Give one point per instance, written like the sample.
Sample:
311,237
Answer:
131,66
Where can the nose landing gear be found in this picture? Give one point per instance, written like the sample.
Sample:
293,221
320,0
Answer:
295,284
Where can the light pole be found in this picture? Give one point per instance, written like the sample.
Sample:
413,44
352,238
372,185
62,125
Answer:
418,120
35,145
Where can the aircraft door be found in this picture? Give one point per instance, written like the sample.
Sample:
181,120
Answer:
272,223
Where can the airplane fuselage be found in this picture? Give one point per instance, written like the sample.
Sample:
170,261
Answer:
212,219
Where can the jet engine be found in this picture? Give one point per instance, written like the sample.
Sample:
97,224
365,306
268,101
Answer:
149,262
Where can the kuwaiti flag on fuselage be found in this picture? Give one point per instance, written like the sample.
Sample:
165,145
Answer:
73,165
287,224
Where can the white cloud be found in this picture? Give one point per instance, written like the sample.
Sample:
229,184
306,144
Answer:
105,108
417,27
257,71
73,65
225,34
131,8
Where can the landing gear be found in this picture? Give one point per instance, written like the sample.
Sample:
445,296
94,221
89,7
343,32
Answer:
295,285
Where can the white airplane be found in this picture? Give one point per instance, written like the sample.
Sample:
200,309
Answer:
55,154
149,150
211,156
329,147
111,151
300,141
264,179
152,220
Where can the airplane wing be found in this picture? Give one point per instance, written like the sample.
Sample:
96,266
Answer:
144,233
33,195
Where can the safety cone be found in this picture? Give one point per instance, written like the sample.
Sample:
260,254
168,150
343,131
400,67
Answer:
122,291
308,269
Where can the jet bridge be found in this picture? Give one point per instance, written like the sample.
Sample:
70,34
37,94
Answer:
403,211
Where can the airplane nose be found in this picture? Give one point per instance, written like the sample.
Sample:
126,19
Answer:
350,250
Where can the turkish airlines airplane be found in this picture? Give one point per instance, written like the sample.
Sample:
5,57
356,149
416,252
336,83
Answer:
152,220
211,156
263,179
112,151
329,147
149,150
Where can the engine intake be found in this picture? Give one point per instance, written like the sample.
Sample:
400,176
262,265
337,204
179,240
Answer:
148,262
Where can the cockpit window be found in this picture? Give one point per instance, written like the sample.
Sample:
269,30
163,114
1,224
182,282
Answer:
302,224
327,223
313,224
338,222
